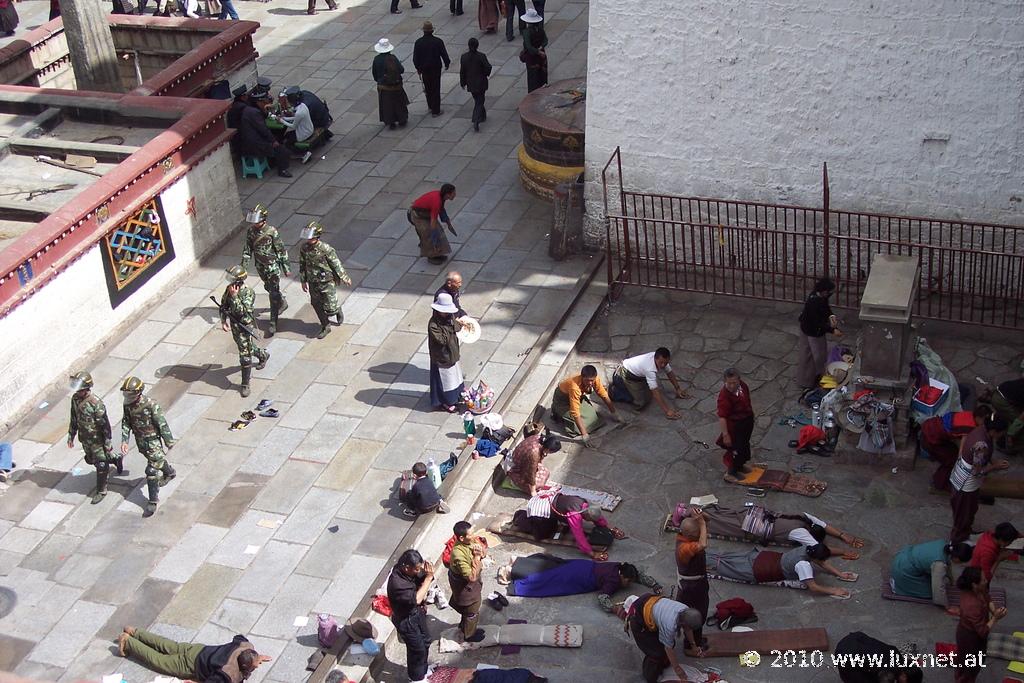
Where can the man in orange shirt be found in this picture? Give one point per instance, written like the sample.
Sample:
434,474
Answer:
692,567
571,402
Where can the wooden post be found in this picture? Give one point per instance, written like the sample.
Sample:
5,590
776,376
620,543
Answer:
91,45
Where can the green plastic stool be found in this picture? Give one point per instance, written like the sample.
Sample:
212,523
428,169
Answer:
254,166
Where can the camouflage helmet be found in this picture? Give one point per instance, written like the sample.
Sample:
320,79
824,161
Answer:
257,214
236,274
132,385
81,380
313,230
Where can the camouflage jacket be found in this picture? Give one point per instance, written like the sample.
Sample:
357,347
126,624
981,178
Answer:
318,263
145,418
265,244
89,419
240,305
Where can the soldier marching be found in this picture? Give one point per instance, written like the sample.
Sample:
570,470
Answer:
145,418
236,315
263,243
90,423
321,272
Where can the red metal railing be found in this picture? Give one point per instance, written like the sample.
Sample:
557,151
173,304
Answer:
970,272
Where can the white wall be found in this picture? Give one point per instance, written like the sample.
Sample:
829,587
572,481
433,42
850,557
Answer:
916,105
66,320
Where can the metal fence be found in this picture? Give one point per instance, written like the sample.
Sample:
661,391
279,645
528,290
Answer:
970,272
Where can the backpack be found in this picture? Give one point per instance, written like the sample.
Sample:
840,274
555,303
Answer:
326,630
732,612
405,485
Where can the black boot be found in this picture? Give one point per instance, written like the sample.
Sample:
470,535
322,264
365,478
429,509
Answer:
154,497
119,464
325,323
101,486
339,316
246,374
169,474
263,360
272,330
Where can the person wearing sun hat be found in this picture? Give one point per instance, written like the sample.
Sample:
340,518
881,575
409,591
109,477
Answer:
446,380
387,72
533,54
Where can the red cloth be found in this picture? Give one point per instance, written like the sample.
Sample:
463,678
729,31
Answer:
381,605
929,395
945,648
735,406
862,392
431,201
963,421
985,554
810,435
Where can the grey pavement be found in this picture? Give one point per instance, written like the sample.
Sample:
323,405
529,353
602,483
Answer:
292,516
654,463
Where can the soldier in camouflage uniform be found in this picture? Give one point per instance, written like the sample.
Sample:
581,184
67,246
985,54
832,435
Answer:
144,418
90,422
321,272
236,314
263,242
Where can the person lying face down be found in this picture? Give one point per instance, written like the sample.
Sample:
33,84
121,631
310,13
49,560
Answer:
542,576
793,567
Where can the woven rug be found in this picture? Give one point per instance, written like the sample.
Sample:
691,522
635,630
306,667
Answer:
602,499
798,585
997,595
787,482
559,635
566,540
672,528
732,643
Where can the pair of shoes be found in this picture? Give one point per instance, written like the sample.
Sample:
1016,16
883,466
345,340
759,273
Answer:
284,174
497,601
270,412
408,512
477,636
307,156
396,11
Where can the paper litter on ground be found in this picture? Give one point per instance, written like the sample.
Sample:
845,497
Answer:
300,621
251,549
709,499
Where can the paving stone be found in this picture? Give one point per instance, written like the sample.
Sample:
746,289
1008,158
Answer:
40,607
80,570
12,651
273,451
69,635
119,581
8,561
360,304
254,528
378,325
26,493
144,337
85,518
414,379
358,575
209,476
237,615
106,539
175,514
311,516
233,500
262,580
150,599
199,441
379,540
373,493
295,378
295,599
188,554
327,555
307,411
287,486
282,351
52,553
325,438
24,541
350,463
200,596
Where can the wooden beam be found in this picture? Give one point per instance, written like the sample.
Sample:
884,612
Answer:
51,147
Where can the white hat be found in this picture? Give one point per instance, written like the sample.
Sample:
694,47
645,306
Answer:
383,45
444,304
627,604
531,17
470,332
492,421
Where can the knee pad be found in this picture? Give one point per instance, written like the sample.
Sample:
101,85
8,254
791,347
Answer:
151,471
102,466
245,361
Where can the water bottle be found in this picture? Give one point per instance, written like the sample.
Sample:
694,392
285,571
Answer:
469,426
434,473
815,414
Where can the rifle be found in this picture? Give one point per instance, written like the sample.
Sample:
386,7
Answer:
245,328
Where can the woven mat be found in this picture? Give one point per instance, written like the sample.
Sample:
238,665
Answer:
558,635
602,499
798,585
731,643
787,482
671,528
1002,487
997,595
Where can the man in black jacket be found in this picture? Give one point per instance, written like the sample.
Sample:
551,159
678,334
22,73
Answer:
473,72
428,56
231,662
254,139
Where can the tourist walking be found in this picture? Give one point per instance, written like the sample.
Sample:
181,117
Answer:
534,55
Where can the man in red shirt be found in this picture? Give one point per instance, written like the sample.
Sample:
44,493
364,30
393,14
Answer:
736,417
426,214
991,549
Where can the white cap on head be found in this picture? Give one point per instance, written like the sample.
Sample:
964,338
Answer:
444,304
383,45
531,17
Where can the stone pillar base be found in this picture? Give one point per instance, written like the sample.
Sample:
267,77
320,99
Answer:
540,178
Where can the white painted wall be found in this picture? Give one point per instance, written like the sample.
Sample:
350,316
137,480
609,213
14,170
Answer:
72,316
916,105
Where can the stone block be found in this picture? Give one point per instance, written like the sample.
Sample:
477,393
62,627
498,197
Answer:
209,476
358,575
273,451
173,517
388,271
311,516
361,303
262,580
189,553
237,615
254,528
233,500
295,599
150,599
380,423
385,531
41,605
31,487
80,570
305,413
200,596
143,337
414,378
286,487
120,580
326,556
351,462
13,650
24,541
72,633
282,351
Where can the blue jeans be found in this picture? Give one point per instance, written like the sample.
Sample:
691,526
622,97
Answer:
227,7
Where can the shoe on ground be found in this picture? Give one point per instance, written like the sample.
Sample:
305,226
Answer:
396,11
476,127
284,174
307,156
409,512
263,363
244,390
324,331
393,126
150,509
477,636
98,496
166,479
442,508
501,598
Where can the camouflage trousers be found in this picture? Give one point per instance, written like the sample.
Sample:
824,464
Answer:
156,462
271,278
249,353
97,452
324,296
